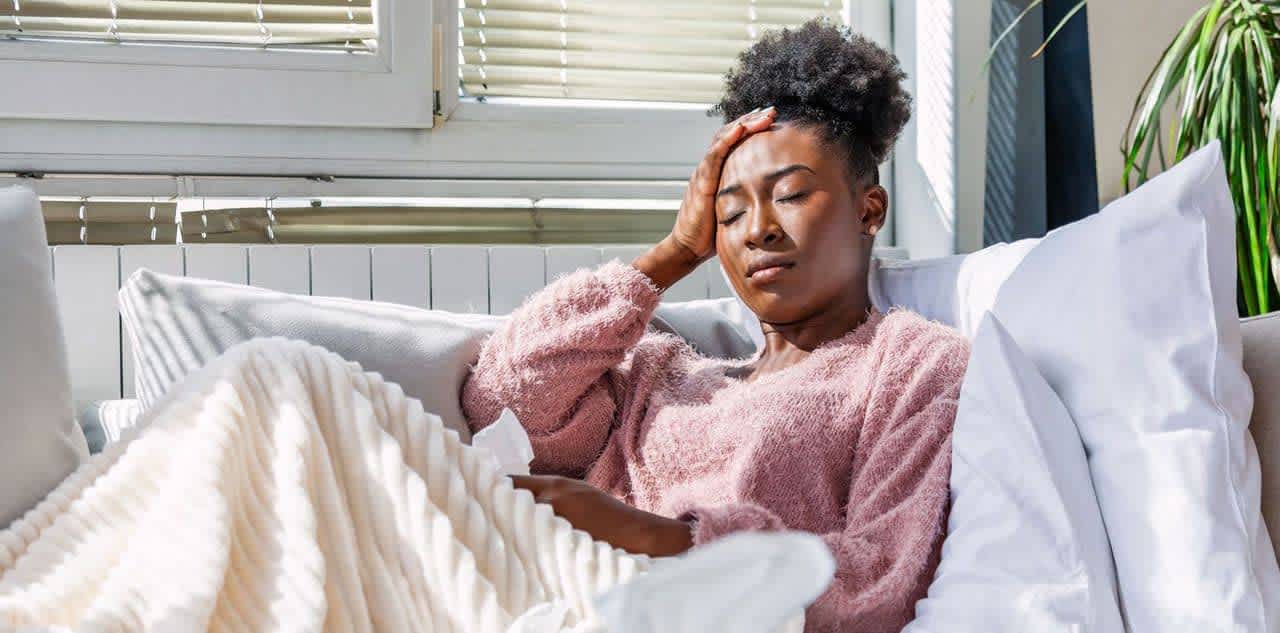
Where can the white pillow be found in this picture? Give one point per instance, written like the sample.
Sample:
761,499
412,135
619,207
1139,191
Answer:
1130,315
954,291
177,325
40,442
103,421
1025,549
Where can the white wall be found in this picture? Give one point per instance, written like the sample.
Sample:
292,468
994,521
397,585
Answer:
1125,42
973,28
940,161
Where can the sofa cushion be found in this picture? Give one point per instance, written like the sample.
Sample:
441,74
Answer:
40,442
1262,363
178,324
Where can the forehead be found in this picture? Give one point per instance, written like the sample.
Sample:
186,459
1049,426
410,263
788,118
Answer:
769,150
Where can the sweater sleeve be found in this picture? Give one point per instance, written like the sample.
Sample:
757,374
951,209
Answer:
557,362
895,518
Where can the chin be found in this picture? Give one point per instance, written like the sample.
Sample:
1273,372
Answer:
773,308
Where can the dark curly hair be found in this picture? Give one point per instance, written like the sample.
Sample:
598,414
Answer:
824,76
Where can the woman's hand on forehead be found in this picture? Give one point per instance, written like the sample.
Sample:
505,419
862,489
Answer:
695,226
693,238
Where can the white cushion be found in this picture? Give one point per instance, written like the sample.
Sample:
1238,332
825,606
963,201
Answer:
40,442
1025,549
954,291
1130,315
104,421
179,324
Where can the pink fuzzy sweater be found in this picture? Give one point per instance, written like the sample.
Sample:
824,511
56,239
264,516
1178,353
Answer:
853,443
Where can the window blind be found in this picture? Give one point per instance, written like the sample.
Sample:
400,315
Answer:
357,220
348,24
655,50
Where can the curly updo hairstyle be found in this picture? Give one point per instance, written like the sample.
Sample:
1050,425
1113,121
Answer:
825,77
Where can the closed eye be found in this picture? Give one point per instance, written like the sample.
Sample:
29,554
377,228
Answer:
731,218
794,197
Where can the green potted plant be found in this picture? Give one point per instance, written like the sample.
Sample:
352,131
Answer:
1220,72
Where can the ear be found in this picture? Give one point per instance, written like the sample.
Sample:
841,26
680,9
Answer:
875,208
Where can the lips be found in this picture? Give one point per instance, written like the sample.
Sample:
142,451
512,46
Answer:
768,268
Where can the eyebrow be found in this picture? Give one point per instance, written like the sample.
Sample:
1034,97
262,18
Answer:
734,188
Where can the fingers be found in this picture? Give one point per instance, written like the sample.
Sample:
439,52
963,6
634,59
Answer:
732,133
706,176
540,485
532,483
753,121
758,119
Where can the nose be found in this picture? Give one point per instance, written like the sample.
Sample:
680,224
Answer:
763,228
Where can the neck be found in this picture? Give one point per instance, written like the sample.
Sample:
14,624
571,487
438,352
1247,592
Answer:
787,343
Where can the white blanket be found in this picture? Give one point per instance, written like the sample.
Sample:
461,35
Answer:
283,489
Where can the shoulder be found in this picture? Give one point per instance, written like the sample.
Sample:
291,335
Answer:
661,353
921,348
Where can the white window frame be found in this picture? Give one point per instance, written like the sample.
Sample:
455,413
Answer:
940,160
496,139
140,82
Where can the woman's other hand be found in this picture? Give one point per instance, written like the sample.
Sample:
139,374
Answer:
693,238
607,519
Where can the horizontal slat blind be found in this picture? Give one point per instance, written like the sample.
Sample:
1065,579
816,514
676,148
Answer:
357,221
657,50
346,23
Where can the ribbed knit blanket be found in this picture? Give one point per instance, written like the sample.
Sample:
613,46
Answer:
282,488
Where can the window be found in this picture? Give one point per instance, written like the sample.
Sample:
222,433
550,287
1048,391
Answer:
318,23
193,210
939,163
615,49
365,220
538,101
613,88
323,62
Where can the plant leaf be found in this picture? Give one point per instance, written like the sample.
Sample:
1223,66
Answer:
1145,116
1061,23
991,52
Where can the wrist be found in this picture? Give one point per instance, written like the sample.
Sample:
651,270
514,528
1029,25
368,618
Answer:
667,262
680,253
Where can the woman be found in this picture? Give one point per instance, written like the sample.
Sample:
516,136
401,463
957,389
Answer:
840,425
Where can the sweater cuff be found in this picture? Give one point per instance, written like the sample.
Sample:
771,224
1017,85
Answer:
711,523
625,280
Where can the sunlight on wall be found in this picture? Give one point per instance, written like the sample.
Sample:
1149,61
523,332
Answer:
935,103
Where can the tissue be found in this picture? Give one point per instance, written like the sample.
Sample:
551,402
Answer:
507,443
748,582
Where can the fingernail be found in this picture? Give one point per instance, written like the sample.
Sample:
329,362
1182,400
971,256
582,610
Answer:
754,111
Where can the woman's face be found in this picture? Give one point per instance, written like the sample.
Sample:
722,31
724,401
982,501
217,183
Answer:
793,233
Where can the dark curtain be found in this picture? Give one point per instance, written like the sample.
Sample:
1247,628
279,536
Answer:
1040,148
1070,157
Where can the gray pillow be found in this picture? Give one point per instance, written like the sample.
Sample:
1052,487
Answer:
711,326
40,443
178,324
